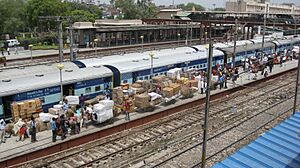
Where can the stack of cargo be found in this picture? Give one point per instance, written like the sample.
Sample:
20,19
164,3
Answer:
194,83
117,97
142,100
168,92
124,86
103,111
137,87
144,83
26,109
174,73
176,88
185,91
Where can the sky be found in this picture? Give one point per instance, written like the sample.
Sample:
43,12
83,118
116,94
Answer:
219,3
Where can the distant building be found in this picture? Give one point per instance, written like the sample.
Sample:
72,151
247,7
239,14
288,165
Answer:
167,13
261,6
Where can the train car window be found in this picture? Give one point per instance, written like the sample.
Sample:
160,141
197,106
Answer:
88,90
165,73
146,77
156,75
97,88
140,78
194,66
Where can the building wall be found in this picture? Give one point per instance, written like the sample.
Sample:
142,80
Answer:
260,6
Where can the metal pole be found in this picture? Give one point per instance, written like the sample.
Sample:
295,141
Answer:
142,44
60,37
296,89
234,44
31,54
61,85
191,33
178,38
264,31
186,34
151,55
72,58
205,128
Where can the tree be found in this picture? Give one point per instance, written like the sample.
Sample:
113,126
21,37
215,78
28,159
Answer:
219,9
82,16
189,7
12,16
138,10
129,9
37,8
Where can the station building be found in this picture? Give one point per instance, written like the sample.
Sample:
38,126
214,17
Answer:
261,6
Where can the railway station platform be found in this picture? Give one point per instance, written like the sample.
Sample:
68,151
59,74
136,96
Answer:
22,54
279,147
13,152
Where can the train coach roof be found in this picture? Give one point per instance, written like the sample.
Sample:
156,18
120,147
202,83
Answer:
32,70
252,47
143,63
33,82
286,41
109,60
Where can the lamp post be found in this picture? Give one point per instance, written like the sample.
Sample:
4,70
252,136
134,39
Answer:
61,66
142,37
95,45
30,47
178,35
151,54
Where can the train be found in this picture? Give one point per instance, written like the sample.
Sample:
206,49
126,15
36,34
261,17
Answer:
95,76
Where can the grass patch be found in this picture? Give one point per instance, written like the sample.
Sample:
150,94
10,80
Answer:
44,47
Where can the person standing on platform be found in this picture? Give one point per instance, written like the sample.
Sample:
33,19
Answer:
2,131
8,53
63,127
271,62
54,129
81,100
127,109
32,129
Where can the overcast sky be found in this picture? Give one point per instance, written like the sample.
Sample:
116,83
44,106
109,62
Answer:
219,3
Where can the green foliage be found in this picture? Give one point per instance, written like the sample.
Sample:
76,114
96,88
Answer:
23,15
11,16
219,9
138,10
189,7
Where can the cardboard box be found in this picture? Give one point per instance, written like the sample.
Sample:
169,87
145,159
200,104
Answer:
141,104
193,83
176,88
15,107
168,92
142,98
159,79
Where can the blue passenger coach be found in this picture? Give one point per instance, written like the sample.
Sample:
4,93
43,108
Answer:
88,81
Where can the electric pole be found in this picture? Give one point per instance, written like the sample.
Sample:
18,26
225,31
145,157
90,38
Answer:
58,20
205,128
234,43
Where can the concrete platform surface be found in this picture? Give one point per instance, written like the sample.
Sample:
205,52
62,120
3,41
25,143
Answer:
12,149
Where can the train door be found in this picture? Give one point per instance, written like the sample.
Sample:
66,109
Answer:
68,90
134,76
7,100
116,75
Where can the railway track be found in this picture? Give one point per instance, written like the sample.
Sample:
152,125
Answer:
136,146
101,52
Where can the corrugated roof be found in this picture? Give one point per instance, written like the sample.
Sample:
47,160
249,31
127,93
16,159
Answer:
280,148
